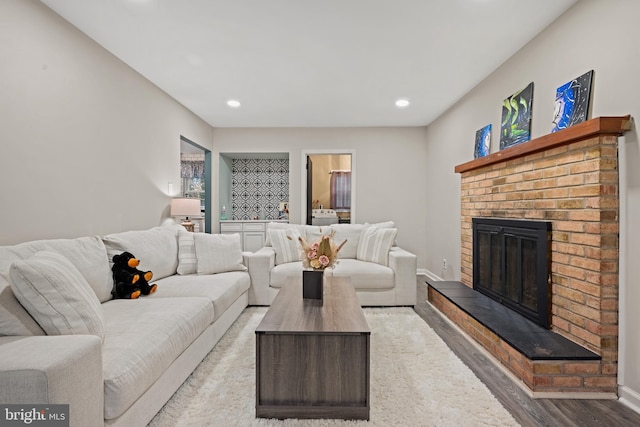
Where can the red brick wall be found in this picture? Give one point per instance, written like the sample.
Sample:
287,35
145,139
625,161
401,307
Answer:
576,188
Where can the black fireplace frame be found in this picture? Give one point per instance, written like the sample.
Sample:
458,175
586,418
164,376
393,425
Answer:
531,230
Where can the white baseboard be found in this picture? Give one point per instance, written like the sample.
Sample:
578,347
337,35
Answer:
629,397
430,275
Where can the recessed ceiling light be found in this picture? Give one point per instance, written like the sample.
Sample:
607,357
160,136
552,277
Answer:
233,103
402,103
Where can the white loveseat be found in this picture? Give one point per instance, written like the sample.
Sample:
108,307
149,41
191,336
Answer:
114,361
382,273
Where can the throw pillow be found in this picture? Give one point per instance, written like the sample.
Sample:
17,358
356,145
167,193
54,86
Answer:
283,226
313,233
350,233
156,248
385,224
187,261
218,253
56,295
375,243
287,250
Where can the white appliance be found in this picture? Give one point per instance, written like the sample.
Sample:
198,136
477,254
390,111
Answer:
324,217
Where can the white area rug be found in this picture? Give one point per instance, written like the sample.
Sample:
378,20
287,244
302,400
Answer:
415,381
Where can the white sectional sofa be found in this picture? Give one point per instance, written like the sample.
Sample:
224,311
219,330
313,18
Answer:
115,362
382,273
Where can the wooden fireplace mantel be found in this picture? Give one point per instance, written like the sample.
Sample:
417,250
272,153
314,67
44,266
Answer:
598,126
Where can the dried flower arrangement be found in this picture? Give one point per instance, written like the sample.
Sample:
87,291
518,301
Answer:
321,254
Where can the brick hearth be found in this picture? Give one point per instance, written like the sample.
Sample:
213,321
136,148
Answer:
571,179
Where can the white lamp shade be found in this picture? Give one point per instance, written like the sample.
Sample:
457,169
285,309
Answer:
185,207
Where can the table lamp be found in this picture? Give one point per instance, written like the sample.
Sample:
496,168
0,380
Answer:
185,207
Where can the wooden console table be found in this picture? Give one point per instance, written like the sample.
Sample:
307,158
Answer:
313,357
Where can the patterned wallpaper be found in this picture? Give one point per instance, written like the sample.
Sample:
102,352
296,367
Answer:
258,186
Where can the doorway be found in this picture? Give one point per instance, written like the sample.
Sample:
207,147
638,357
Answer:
195,178
328,187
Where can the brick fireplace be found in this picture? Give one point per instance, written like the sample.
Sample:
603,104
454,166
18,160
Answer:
569,178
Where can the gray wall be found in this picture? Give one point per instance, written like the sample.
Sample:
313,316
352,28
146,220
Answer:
389,169
593,34
88,146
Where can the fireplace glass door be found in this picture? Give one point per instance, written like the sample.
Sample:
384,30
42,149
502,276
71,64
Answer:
511,264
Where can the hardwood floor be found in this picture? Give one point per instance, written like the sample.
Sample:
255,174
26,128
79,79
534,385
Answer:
527,411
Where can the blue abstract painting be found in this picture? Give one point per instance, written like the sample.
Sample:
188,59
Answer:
483,142
516,118
572,102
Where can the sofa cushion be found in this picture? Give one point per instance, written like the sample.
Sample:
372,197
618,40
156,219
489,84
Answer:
364,275
385,224
142,338
222,289
374,244
350,233
56,295
14,319
283,226
218,253
187,261
156,248
313,233
281,272
286,245
88,254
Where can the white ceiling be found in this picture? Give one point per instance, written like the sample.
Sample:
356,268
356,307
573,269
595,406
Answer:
304,63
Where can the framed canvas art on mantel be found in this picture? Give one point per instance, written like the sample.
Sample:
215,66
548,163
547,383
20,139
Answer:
516,118
572,102
483,142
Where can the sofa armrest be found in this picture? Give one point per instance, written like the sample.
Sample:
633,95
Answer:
405,267
260,264
245,258
60,369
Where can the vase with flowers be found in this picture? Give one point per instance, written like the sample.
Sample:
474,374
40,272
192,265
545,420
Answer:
316,258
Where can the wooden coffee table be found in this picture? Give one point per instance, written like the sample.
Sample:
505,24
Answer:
312,357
